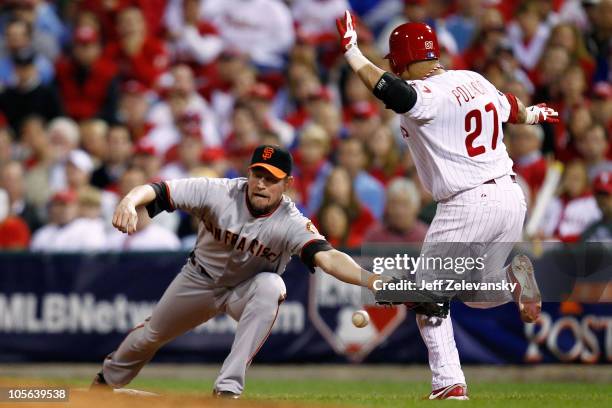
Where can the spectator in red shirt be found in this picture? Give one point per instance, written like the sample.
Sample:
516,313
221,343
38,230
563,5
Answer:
244,137
106,13
260,98
364,119
568,215
134,106
525,143
312,166
569,37
140,56
14,232
400,223
384,155
334,224
339,191
87,82
146,157
194,40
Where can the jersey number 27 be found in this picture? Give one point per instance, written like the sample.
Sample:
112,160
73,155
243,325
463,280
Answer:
474,130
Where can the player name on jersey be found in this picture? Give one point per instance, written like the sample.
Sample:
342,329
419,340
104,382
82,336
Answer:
467,91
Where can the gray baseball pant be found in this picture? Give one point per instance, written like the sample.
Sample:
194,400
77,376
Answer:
190,300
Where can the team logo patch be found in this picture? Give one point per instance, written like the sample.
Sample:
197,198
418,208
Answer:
267,153
330,307
311,228
429,45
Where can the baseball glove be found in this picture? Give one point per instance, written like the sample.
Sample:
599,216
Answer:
422,302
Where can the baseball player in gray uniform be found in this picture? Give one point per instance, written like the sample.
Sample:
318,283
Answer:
247,233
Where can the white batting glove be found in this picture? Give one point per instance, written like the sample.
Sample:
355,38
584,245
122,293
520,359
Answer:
541,113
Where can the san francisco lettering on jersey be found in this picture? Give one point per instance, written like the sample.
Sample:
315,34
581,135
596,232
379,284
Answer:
239,242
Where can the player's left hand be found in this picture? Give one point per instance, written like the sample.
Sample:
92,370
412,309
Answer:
346,29
125,218
541,113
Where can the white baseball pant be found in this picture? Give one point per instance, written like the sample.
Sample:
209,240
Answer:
490,213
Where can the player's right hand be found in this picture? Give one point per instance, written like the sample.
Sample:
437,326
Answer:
125,217
346,29
541,113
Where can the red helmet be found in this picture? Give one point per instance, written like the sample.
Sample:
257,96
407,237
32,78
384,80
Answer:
411,42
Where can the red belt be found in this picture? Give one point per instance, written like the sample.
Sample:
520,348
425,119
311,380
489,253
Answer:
492,181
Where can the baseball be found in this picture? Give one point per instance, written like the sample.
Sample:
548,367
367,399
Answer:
361,318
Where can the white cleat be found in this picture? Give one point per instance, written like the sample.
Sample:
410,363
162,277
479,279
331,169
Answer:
526,294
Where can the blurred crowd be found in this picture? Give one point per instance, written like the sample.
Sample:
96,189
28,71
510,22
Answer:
97,97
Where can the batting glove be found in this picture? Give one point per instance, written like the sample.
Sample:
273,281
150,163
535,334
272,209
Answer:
346,29
541,113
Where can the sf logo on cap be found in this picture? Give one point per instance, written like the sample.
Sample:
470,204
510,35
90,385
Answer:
267,153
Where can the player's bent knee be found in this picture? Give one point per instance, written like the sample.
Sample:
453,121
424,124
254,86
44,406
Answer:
270,286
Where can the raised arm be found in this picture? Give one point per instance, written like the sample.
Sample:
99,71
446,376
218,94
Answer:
397,95
369,73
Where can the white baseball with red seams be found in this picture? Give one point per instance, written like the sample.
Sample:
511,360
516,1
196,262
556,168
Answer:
360,318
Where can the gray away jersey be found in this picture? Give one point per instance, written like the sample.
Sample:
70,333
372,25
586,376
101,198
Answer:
233,245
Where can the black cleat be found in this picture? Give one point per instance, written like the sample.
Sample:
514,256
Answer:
225,394
99,383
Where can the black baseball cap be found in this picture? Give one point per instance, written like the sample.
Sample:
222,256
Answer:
275,159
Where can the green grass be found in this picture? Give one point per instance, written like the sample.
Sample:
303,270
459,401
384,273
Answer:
399,394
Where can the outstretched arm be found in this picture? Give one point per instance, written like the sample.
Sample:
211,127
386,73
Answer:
531,115
344,268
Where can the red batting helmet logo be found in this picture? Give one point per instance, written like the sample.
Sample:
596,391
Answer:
411,42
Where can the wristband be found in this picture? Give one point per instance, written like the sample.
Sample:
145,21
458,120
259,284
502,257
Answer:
355,58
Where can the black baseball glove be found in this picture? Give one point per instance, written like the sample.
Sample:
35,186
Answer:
421,302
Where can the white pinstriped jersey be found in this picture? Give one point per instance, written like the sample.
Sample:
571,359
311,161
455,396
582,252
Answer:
454,132
234,245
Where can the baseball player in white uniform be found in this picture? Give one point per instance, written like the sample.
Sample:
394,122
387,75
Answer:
247,233
452,123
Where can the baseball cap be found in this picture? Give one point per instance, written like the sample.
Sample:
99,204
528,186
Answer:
261,91
85,35
321,94
144,148
64,196
133,87
363,110
81,160
273,158
603,183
